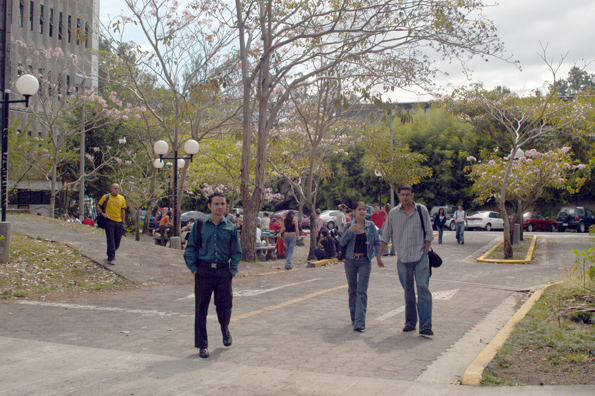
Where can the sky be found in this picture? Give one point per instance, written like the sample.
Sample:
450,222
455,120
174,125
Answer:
565,27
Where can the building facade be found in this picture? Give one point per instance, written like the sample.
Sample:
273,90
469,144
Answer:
68,28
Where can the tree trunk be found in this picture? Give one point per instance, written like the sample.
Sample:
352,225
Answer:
248,234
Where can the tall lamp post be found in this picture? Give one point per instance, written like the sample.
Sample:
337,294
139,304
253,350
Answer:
379,176
161,148
27,85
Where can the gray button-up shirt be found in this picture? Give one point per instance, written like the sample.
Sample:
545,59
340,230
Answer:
406,232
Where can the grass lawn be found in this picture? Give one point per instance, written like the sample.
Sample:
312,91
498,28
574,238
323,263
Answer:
554,344
39,268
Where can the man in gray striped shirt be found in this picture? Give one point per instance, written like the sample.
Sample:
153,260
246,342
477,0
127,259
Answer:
403,225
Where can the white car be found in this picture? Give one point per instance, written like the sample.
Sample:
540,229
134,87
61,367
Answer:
485,220
330,218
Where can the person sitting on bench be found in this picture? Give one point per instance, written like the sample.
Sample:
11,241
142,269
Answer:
165,227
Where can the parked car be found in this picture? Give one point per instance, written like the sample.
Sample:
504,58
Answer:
485,220
449,211
575,217
330,218
280,215
533,221
195,214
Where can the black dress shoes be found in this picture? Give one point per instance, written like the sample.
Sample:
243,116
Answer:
203,353
407,328
227,339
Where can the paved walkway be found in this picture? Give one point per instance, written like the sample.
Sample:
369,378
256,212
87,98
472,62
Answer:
86,346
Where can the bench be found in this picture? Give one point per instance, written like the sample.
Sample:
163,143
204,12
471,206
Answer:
320,263
157,238
269,252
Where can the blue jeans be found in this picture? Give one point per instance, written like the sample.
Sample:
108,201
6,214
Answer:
358,277
461,232
440,232
417,272
320,254
290,242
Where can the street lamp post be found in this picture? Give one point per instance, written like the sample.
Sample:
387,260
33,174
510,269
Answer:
27,85
379,176
161,148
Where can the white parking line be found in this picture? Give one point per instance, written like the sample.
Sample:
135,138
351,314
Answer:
441,295
248,293
144,312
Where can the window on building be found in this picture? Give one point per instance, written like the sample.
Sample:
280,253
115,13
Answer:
51,27
78,30
86,35
69,28
41,10
21,12
67,85
60,26
31,8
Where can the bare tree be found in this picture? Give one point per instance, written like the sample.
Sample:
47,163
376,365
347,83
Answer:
284,45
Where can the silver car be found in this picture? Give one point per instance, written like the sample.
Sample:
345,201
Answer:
485,220
330,218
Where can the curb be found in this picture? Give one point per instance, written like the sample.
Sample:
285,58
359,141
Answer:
528,258
474,372
320,263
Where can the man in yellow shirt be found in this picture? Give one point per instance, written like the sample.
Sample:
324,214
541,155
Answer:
114,213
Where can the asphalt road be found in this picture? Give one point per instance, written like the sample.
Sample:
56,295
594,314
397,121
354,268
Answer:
283,323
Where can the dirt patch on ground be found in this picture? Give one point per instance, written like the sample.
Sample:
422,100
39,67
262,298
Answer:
529,367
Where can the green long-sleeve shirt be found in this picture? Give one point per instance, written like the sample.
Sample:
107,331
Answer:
220,244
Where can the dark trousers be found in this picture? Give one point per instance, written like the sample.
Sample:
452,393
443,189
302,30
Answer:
113,235
204,286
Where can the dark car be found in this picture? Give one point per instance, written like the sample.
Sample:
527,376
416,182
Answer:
575,217
533,221
194,214
280,215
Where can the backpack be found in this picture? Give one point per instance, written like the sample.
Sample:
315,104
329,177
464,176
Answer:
100,220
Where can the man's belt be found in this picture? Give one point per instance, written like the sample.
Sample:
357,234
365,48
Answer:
214,265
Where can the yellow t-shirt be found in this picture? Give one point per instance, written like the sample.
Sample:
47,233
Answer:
114,207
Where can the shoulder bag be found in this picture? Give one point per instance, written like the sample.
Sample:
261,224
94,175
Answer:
435,260
100,220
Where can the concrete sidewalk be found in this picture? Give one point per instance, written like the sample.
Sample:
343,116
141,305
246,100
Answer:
141,262
32,367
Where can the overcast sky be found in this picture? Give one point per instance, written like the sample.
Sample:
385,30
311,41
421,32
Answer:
566,27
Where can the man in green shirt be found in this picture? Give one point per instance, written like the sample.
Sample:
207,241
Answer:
213,254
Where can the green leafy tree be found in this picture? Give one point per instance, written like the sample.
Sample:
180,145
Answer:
396,164
443,139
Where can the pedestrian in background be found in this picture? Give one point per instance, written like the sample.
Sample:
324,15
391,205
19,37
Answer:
341,220
404,225
361,243
265,222
319,224
440,222
115,214
213,255
460,217
289,233
393,249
